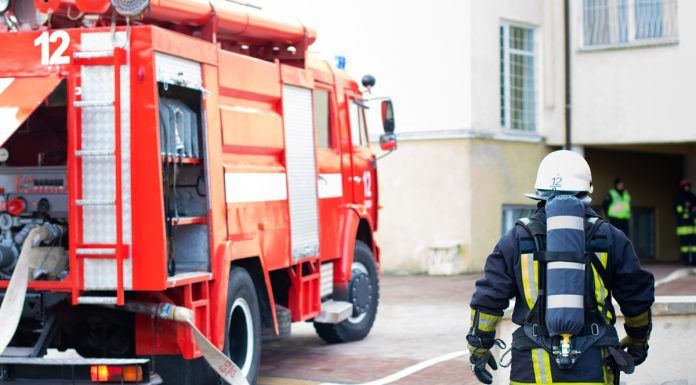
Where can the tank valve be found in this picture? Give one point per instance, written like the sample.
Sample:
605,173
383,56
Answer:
565,358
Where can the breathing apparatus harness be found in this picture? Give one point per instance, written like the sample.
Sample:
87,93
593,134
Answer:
533,334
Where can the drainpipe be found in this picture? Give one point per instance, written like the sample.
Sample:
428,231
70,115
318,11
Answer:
566,26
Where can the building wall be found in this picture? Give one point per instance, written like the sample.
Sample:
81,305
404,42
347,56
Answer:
633,95
500,173
652,180
485,66
425,191
440,193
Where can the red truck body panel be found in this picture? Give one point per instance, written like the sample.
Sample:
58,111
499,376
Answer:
244,141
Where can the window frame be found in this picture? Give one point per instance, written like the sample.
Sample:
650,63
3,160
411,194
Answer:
331,116
505,98
363,136
334,139
669,25
506,207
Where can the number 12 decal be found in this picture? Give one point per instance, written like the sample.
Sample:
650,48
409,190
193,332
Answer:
58,57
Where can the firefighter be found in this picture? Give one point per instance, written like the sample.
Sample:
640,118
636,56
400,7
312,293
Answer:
617,206
517,268
685,206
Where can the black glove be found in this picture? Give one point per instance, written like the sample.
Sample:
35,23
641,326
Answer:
636,347
479,358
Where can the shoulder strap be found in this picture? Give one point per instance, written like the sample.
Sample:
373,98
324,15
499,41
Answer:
536,229
533,226
590,232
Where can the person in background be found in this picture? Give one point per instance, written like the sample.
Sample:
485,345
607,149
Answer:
617,207
685,207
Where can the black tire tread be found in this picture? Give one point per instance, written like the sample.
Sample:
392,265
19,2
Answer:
338,333
242,279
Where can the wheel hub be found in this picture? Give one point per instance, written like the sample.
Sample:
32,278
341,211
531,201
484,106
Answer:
360,293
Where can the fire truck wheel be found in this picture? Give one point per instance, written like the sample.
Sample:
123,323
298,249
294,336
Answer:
363,292
243,337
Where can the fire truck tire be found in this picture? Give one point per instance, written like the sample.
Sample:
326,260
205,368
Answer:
243,325
364,294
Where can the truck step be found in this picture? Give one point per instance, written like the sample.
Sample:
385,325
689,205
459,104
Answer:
97,301
334,312
42,361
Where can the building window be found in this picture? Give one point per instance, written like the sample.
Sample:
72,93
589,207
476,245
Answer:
517,78
616,23
322,118
512,213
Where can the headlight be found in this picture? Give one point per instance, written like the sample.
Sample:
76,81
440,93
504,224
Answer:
4,6
130,8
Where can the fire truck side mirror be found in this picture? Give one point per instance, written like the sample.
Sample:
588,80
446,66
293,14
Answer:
387,142
388,117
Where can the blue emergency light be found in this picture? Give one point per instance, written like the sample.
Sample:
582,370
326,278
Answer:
340,62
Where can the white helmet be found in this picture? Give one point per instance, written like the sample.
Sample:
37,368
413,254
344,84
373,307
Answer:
563,170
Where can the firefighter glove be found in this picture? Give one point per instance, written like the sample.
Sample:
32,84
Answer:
479,358
636,347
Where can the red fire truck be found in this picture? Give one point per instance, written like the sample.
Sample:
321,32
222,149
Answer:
186,152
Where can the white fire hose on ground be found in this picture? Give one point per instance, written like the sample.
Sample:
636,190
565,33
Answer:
217,360
13,304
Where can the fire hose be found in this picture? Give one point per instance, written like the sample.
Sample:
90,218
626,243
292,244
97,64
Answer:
13,304
217,360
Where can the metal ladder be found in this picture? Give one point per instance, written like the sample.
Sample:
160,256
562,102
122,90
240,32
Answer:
78,157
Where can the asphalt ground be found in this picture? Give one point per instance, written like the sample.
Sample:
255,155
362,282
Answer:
420,318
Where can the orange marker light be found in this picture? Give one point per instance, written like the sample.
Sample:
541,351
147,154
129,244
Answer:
132,374
103,373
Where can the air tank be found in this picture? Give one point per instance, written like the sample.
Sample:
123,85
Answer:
565,269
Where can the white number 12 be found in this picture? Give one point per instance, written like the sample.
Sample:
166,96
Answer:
45,39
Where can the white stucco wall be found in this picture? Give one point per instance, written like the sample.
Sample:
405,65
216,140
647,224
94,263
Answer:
485,47
418,51
634,95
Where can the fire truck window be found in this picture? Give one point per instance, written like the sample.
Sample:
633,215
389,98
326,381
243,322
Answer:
363,127
322,118
358,131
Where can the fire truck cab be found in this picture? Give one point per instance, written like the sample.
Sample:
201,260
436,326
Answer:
184,152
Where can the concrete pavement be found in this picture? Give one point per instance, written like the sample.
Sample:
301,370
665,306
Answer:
420,318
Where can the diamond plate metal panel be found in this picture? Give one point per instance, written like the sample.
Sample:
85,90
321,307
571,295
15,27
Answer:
301,171
98,173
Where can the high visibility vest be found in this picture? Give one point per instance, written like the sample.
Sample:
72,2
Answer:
620,206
